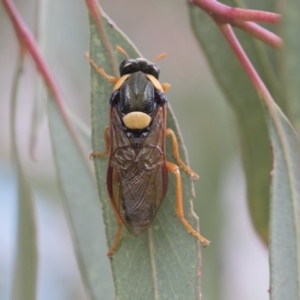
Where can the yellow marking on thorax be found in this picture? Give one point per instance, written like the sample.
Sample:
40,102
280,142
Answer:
155,82
164,87
120,82
136,120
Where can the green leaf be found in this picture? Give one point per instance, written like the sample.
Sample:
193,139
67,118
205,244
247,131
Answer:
25,268
83,208
254,139
285,187
289,69
285,212
165,262
285,224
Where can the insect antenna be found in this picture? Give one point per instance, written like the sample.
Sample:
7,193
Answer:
160,56
121,50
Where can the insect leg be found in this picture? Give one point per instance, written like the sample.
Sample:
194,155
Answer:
115,245
121,50
179,207
100,70
165,86
160,56
107,142
176,154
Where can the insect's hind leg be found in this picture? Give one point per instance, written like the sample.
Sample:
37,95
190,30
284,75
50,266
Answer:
176,154
107,143
179,207
118,237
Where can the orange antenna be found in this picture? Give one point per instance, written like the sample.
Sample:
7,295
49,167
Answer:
121,50
160,56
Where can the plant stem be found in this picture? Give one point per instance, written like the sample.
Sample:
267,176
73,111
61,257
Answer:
243,19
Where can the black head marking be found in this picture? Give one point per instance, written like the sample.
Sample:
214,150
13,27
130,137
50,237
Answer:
129,66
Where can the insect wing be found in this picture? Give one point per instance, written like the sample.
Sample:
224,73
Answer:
137,176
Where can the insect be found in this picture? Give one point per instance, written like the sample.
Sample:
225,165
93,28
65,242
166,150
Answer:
137,174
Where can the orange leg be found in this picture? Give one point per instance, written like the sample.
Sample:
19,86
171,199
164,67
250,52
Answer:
160,56
165,86
179,207
177,157
121,50
117,240
118,218
107,143
100,70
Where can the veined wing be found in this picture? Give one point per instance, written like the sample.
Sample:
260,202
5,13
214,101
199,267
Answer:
137,176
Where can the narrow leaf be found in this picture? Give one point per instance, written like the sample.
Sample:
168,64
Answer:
83,207
285,235
254,139
25,268
285,189
165,262
290,61
285,210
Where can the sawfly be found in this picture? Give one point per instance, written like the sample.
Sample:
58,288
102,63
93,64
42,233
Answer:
137,174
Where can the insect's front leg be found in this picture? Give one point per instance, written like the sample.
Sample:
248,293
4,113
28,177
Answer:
100,70
107,143
179,207
177,157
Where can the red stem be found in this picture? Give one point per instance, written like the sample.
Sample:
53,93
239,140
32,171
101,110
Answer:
95,10
27,41
243,19
247,65
260,33
227,14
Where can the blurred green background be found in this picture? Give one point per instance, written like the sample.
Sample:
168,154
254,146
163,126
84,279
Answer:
235,265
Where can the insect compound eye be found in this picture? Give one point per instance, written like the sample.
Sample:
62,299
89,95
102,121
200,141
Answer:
128,66
153,70
149,68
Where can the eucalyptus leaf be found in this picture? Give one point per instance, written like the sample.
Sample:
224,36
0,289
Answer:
83,207
285,224
285,212
257,127
289,69
164,263
25,269
25,265
254,139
